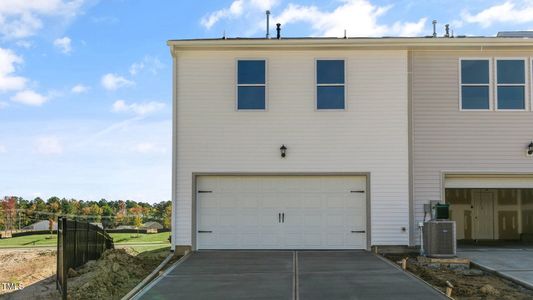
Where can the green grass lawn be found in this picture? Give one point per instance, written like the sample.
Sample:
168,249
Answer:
51,240
133,238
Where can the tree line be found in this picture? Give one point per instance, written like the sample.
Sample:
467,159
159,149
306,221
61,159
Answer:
17,212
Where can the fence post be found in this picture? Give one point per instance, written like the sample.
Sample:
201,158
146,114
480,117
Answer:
58,262
64,259
75,242
87,240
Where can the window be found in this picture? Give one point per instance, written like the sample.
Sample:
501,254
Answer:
475,84
511,84
251,84
330,84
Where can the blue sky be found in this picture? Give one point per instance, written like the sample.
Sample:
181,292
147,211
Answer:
85,85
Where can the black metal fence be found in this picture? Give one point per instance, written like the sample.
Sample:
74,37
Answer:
77,243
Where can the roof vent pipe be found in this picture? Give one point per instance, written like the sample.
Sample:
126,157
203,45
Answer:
434,28
268,24
447,29
278,29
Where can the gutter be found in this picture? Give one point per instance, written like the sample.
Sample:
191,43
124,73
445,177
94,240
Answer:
404,43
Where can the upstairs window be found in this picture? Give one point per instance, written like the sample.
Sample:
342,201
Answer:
330,84
475,84
251,84
511,84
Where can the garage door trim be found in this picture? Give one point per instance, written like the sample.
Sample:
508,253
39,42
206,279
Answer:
194,208
445,175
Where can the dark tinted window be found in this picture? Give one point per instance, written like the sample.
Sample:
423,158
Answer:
474,71
251,72
330,97
330,71
475,97
251,97
511,71
511,97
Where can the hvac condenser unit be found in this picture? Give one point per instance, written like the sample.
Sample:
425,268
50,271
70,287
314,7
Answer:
440,239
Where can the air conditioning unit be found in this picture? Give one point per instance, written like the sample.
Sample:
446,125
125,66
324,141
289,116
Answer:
440,239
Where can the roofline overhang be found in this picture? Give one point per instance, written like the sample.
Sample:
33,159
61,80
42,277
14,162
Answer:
474,43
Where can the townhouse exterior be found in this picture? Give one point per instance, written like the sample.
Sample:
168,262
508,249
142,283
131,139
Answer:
338,143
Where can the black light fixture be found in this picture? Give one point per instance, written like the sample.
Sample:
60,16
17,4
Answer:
283,150
530,149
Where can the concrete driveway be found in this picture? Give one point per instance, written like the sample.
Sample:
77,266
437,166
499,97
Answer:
513,263
286,275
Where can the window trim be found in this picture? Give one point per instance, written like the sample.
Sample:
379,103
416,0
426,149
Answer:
525,84
237,85
490,84
316,84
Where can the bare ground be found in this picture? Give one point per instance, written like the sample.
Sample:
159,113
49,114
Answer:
26,266
111,277
469,283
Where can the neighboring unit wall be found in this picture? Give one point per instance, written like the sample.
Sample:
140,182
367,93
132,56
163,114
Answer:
370,136
446,139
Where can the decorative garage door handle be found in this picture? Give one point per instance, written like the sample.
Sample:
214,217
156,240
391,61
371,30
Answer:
358,231
205,231
357,191
279,217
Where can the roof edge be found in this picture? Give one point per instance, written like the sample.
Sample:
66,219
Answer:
352,42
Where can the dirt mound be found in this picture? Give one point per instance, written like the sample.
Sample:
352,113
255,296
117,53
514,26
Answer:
110,277
469,283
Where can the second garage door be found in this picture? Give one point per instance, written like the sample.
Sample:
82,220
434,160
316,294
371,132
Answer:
281,212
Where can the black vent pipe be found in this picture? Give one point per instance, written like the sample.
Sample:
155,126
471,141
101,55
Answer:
278,29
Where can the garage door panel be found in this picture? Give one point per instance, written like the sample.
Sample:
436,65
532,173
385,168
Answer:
244,212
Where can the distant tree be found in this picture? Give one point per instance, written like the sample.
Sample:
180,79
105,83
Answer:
55,210
137,211
96,212
120,216
9,206
167,217
107,213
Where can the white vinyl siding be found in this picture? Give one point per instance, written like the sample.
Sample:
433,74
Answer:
213,138
446,140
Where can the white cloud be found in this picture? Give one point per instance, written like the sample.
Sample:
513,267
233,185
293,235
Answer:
235,10
24,44
29,97
3,149
63,44
23,18
515,12
48,145
148,63
3,104
140,109
9,82
113,82
357,17
147,148
79,89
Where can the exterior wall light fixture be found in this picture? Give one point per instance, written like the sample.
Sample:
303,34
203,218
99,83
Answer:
283,150
529,151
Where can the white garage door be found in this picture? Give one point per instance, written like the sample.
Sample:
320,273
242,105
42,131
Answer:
281,212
